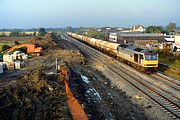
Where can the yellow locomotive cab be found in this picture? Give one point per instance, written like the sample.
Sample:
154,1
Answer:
151,63
151,60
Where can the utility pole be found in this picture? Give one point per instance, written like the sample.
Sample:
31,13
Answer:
56,66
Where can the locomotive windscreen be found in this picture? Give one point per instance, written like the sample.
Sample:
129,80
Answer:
151,56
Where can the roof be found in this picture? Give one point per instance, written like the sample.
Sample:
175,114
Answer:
137,26
135,48
138,35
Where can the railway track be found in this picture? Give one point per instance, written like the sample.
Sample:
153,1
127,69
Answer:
173,83
165,100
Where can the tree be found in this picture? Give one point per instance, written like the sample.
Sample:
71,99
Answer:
80,30
69,28
15,34
23,34
171,27
95,34
154,29
41,31
34,33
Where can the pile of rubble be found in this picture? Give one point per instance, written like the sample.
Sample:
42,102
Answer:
12,61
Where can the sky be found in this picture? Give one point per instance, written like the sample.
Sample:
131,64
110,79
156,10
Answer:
87,13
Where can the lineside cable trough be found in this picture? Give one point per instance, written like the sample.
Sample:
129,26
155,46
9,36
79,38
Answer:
76,109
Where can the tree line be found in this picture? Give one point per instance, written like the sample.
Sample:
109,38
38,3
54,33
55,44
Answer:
40,32
171,27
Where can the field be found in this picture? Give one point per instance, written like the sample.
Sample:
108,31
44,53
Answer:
15,38
10,41
8,33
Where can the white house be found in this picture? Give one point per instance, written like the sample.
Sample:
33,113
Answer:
138,28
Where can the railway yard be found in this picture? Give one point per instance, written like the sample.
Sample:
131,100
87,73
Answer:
104,87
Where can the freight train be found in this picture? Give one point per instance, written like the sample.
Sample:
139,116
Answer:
141,59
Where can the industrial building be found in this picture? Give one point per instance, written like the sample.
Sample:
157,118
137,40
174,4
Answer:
139,39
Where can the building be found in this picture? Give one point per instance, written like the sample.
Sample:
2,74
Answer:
106,31
177,37
119,29
127,30
176,44
138,28
138,39
113,37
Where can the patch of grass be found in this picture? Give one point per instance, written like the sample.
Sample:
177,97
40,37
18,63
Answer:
5,43
9,43
169,61
170,73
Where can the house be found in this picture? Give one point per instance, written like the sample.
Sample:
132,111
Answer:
138,28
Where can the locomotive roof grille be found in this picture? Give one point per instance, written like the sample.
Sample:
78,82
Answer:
136,49
123,45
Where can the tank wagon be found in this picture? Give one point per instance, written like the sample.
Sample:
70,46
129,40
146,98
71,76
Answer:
141,59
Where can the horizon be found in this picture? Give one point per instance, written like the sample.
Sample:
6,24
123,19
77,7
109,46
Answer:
19,14
178,27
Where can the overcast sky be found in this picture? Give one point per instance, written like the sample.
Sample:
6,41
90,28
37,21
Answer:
87,13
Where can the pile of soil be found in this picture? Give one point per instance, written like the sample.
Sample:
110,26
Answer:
68,56
46,42
36,96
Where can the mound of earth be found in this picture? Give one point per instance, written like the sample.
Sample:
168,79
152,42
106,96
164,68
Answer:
36,96
46,42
